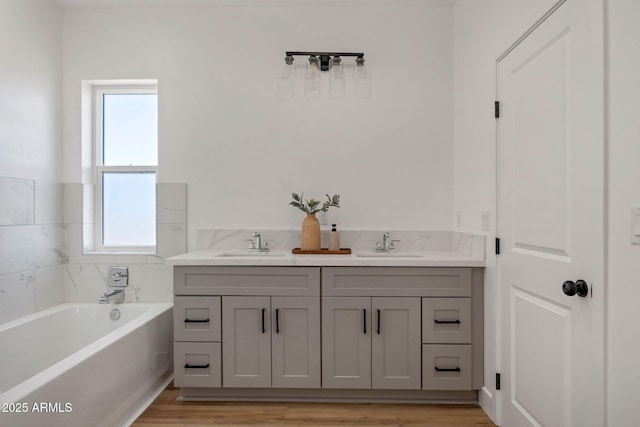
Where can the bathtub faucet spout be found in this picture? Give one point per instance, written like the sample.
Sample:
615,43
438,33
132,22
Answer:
115,296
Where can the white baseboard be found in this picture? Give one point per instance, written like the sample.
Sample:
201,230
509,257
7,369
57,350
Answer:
487,402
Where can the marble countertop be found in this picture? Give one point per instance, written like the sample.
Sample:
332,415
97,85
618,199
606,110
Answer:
357,258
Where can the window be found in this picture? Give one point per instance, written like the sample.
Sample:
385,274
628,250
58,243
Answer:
126,135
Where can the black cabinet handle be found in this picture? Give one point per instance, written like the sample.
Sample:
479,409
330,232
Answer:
447,369
263,328
196,321
277,320
378,330
187,366
364,317
445,322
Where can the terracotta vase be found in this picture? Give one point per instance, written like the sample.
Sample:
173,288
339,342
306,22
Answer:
310,236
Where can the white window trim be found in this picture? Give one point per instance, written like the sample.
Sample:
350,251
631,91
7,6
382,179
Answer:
99,168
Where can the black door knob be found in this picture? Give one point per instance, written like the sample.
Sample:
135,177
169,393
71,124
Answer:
580,288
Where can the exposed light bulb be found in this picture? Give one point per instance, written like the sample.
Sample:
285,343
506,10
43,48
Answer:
362,80
336,79
287,80
312,80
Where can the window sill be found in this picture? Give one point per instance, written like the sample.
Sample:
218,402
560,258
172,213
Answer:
154,253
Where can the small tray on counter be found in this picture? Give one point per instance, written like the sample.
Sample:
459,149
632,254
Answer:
323,251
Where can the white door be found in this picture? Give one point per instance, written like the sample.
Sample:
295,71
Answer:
295,342
346,342
550,221
246,338
395,343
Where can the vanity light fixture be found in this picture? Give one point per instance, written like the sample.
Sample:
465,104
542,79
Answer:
324,61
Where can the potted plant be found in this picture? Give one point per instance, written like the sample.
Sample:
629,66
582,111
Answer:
310,235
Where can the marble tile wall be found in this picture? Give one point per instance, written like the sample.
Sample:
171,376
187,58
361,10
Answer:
85,274
33,247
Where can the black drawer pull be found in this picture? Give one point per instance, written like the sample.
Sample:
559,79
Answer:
277,320
378,330
196,321
364,316
187,366
445,322
447,369
263,328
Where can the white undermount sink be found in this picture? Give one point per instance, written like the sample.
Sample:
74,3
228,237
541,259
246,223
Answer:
252,254
388,254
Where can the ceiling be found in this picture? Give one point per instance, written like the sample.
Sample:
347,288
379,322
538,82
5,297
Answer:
90,4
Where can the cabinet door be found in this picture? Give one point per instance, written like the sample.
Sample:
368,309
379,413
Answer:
295,342
246,338
346,342
395,343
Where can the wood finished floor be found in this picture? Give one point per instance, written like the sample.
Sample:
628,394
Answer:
166,411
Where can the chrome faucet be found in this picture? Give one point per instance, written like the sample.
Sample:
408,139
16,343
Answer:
256,244
118,277
387,244
115,296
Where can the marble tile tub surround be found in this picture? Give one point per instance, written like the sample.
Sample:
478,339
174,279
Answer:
359,240
33,248
85,274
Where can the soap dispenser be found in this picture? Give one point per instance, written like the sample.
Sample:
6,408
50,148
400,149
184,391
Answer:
334,239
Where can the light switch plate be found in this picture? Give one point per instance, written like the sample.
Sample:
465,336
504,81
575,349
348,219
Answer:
485,220
322,218
635,225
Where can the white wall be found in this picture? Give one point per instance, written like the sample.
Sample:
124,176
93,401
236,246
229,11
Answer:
483,30
32,239
624,192
240,150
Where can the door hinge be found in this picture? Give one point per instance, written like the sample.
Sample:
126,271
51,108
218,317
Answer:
497,381
497,109
497,246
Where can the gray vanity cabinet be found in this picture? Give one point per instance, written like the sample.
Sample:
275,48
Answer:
247,327
402,328
328,332
371,342
271,342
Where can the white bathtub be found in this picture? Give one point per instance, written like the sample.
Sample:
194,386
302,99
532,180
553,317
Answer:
72,365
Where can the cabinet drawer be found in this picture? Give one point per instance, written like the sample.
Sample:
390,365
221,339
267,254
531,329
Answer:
196,319
446,367
197,364
277,281
396,281
446,320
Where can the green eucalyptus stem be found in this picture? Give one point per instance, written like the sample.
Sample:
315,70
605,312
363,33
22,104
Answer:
311,206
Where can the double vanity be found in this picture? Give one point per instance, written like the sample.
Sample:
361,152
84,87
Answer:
402,326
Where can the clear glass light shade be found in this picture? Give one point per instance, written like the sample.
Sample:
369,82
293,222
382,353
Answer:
312,81
286,82
362,80
337,85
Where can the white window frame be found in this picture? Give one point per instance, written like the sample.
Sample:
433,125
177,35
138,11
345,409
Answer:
99,167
